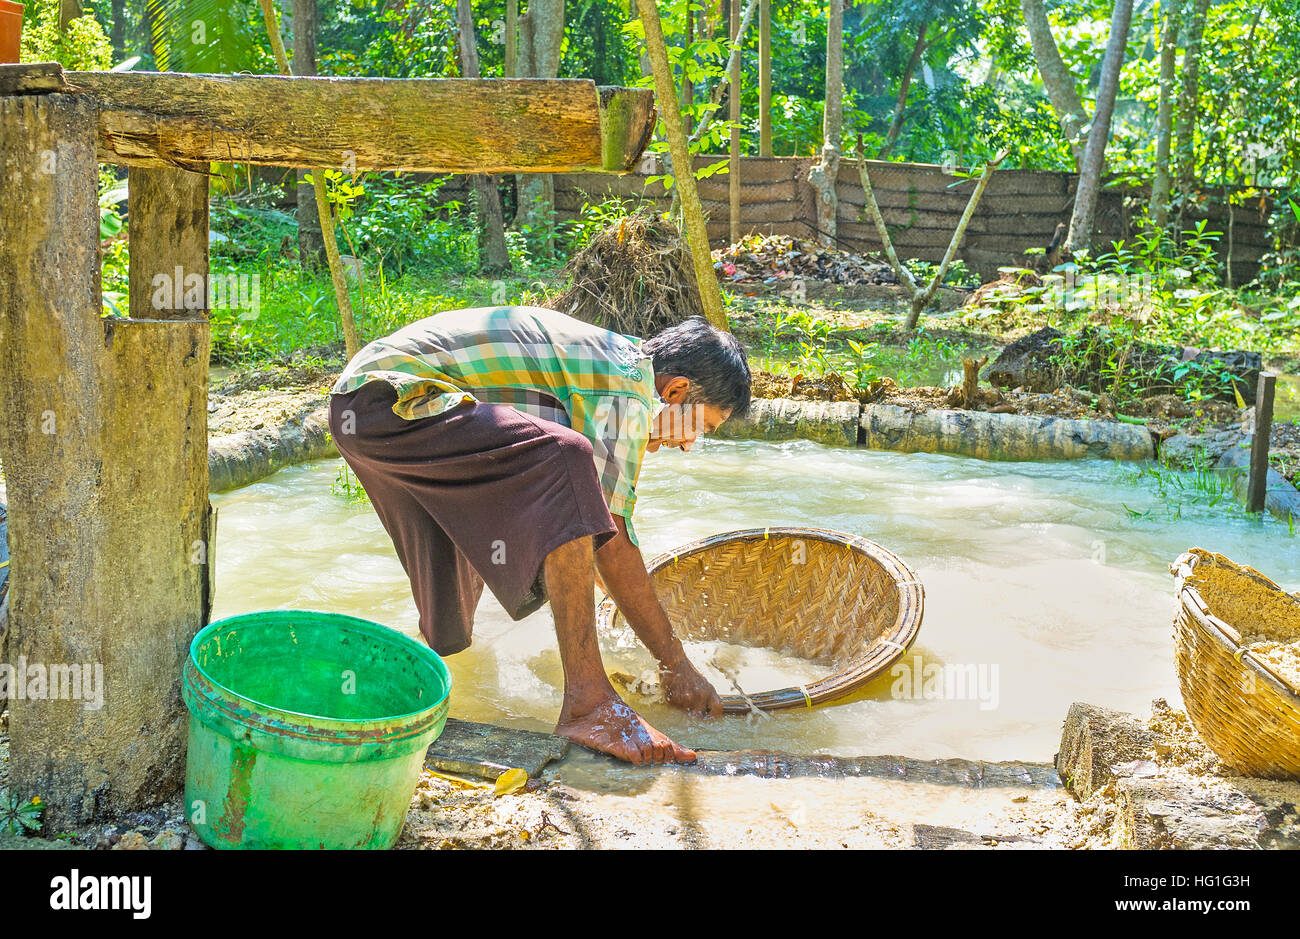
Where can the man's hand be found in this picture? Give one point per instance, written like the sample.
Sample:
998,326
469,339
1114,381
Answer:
686,688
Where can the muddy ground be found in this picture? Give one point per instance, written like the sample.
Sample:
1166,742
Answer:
588,801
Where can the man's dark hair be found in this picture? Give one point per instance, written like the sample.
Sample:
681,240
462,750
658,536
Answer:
712,359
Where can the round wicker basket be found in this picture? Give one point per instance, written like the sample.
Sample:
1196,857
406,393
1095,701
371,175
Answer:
832,598
1246,713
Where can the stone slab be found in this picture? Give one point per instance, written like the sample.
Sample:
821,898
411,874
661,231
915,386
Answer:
485,750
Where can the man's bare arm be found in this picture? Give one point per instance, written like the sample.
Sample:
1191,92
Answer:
623,575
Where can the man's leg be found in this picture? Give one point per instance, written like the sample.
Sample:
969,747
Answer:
593,714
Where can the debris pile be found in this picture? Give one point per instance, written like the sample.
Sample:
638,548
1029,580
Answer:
636,277
773,259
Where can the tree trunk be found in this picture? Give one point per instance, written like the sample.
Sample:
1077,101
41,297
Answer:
117,30
715,96
733,101
822,176
494,257
697,235
69,10
765,78
1160,184
1057,79
146,27
1185,125
896,125
512,38
311,244
688,88
541,31
1094,154
921,296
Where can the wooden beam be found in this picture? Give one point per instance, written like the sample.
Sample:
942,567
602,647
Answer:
445,125
1257,484
105,454
31,79
167,215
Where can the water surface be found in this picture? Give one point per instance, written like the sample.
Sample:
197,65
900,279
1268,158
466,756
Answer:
1040,585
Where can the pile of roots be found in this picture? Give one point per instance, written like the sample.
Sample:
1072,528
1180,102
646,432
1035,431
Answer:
635,278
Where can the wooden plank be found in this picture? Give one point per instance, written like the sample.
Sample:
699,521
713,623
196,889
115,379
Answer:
455,125
168,230
105,456
31,78
1256,486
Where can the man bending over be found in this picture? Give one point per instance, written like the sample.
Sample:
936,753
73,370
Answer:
502,445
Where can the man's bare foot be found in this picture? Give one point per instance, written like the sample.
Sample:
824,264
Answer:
614,728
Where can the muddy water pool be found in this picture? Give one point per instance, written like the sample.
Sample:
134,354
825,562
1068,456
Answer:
1043,587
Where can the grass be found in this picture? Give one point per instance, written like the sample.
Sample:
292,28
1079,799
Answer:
298,311
1202,487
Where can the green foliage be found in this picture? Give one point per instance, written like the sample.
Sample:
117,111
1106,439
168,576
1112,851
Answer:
19,816
957,275
1198,489
596,46
347,487
209,36
82,47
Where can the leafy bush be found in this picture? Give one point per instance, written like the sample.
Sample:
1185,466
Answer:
82,46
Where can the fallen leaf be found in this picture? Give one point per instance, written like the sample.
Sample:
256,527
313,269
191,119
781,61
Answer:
512,780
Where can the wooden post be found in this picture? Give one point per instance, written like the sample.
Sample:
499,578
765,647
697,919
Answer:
765,78
1257,488
167,217
733,96
104,436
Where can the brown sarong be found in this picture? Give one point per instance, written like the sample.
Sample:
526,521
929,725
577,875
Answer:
479,493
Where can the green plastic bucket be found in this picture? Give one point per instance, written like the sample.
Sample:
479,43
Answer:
307,730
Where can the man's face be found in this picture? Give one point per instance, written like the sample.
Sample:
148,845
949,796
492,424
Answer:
677,425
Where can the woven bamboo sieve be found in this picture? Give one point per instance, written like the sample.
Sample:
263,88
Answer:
1246,714
835,599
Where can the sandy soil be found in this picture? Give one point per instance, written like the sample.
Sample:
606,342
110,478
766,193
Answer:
585,803
252,400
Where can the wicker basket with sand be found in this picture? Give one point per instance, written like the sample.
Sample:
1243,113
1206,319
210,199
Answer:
1237,646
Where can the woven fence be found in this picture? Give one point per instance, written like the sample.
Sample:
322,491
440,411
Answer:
921,203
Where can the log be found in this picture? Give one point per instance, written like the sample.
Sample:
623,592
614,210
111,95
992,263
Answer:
438,125
988,436
167,223
104,442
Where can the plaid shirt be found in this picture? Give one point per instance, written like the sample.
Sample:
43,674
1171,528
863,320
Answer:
535,360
